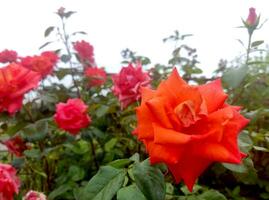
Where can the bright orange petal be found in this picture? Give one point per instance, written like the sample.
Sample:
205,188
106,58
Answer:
157,108
146,94
145,119
169,136
167,154
213,94
189,169
216,152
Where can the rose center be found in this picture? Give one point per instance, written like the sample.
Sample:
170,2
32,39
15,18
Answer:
186,113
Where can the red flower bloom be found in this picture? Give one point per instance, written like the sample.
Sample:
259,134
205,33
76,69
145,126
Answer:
85,52
72,116
16,146
96,76
252,17
42,64
128,82
34,195
8,56
15,81
9,182
189,127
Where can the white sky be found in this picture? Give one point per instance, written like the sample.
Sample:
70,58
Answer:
140,25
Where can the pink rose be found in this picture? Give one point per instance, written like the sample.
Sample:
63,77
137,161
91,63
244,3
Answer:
34,195
85,52
128,82
252,17
72,116
9,182
96,76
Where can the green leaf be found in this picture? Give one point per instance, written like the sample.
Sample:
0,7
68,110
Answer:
149,180
102,110
257,148
37,131
79,32
244,141
212,195
76,173
130,193
32,153
104,185
44,45
65,58
256,43
48,31
11,130
246,165
120,163
59,191
68,14
234,76
110,144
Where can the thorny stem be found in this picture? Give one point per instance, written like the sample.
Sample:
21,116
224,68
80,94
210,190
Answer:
65,39
247,59
94,154
249,47
28,112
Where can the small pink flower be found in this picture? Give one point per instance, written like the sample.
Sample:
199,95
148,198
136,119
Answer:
72,116
128,82
252,17
9,182
61,11
8,56
96,76
34,195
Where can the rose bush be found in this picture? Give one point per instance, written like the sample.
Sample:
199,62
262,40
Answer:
70,138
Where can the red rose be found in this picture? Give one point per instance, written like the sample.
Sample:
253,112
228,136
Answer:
42,64
85,52
15,81
8,56
16,145
189,127
128,82
34,195
9,182
96,76
252,17
72,116
53,57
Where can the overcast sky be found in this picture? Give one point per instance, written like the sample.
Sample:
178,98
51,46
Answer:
140,25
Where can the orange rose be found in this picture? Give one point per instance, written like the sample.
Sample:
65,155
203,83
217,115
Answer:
189,127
